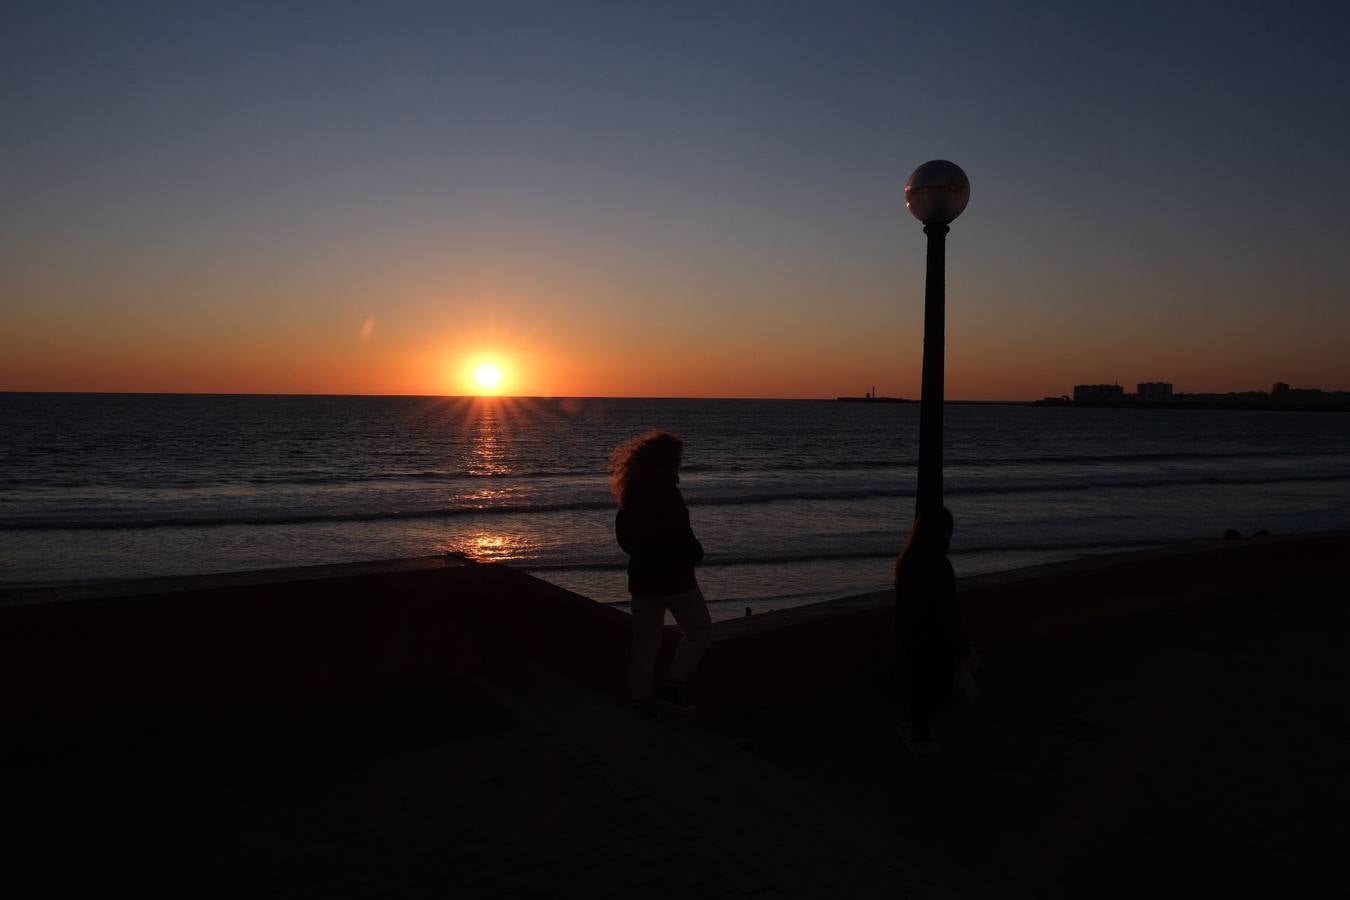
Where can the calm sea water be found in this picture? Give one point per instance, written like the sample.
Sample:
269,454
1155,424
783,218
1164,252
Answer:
795,501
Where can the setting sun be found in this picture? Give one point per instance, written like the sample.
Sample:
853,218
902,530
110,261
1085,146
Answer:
487,376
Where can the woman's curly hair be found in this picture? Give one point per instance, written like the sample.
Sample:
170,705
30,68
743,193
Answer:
643,461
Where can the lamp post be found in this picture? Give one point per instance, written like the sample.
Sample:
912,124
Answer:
936,194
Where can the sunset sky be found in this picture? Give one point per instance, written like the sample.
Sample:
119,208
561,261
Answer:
682,199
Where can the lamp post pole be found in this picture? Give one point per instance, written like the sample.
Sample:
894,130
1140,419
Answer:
929,494
936,194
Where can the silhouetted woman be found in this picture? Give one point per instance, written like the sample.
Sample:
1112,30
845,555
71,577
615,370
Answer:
928,625
652,526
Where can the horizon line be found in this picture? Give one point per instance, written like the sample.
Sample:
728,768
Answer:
470,396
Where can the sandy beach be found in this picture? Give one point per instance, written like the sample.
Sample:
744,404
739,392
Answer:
1163,722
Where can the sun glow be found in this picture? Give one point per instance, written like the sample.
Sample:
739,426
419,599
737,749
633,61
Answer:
486,375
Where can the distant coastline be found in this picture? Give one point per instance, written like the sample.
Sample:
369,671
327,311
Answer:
1238,403
1267,406
1160,395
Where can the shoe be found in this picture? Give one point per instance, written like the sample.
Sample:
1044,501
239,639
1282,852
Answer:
671,696
916,748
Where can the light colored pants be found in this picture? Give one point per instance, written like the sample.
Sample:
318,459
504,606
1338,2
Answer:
649,619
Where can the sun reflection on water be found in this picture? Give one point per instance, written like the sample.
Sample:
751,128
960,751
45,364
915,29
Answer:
486,497
488,432
488,444
493,546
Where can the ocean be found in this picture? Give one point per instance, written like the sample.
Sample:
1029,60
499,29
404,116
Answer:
795,501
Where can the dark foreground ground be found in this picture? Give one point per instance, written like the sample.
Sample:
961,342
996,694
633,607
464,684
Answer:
1201,752
492,790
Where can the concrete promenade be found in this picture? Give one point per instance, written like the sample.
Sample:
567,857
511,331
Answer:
1196,742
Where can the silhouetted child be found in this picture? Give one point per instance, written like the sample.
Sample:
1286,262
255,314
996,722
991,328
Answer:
932,644
653,528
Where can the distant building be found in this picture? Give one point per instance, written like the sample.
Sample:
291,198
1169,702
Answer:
1279,389
1098,393
1155,392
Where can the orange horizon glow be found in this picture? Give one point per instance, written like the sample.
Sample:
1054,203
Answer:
420,328
439,354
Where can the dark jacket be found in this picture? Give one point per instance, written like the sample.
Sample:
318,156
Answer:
653,529
928,619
